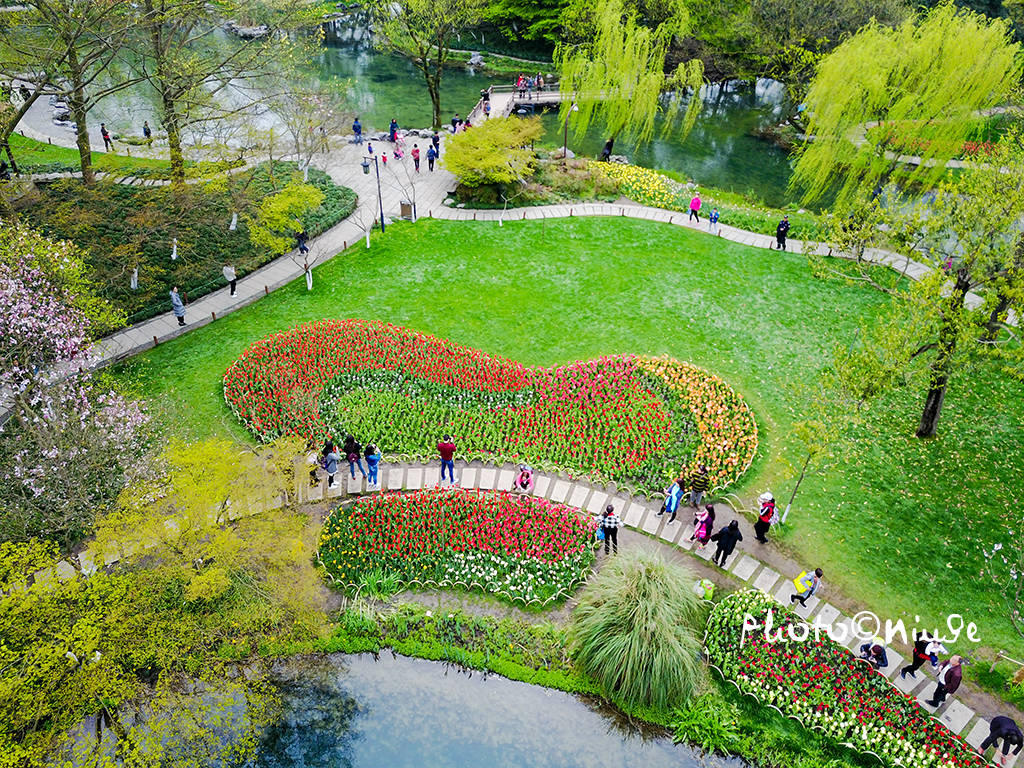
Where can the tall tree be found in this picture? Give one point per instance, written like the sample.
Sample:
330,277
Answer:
424,30
927,80
617,75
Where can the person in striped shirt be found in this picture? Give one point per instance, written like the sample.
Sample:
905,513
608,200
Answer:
699,483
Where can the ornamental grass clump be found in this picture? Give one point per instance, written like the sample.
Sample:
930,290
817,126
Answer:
636,631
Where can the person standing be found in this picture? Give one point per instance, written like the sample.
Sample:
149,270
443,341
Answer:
949,675
1006,729
431,157
713,221
606,151
925,649
811,583
455,123
107,143
393,130
764,517
147,132
699,482
231,277
354,453
322,461
487,110
695,208
704,525
727,538
177,306
416,157
300,242
436,141
357,129
673,495
447,450
780,233
331,466
610,524
372,457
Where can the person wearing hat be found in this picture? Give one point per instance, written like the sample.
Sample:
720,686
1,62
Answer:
1006,729
949,676
764,517
780,233
610,524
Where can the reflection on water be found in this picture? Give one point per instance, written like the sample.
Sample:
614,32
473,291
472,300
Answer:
355,712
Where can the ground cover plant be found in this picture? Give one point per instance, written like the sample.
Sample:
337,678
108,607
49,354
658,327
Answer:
521,548
548,292
817,681
120,228
622,418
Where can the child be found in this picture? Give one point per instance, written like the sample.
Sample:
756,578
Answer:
705,523
384,157
398,152
713,221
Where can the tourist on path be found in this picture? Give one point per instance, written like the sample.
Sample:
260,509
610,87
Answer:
455,123
727,538
231,277
436,141
416,157
107,143
177,305
695,208
369,148
147,132
353,452
523,481
606,153
447,450
949,675
372,457
704,525
1006,729
811,583
673,495
780,233
925,649
328,448
764,517
699,483
357,129
874,653
331,466
300,242
610,524
713,221
431,157
393,130
487,110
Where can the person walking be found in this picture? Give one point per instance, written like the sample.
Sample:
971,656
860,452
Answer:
926,648
230,276
487,110
727,538
764,517
416,157
713,221
393,130
436,141
447,450
353,451
331,466
705,524
695,208
673,495
455,123
610,524
699,483
780,233
357,130
147,132
300,242
1006,729
606,151
431,157
107,143
950,675
372,457
321,462
177,305
811,583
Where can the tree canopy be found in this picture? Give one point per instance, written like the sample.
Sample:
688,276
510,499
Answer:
495,152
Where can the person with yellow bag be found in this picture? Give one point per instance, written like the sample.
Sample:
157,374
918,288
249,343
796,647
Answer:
806,585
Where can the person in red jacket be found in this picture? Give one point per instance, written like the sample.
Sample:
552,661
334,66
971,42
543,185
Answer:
764,517
447,450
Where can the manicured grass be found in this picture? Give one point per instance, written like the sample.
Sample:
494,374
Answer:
883,524
39,157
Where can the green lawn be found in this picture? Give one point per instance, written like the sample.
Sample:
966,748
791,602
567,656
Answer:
39,157
898,523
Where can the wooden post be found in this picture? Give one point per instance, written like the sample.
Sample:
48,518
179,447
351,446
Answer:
155,342
266,291
213,315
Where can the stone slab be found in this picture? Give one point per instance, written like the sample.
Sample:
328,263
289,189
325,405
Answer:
956,716
766,580
805,611
684,541
65,571
743,565
652,523
340,484
827,615
488,476
541,485
926,693
578,496
43,577
782,593
505,479
671,532
978,733
896,663
909,684
354,484
393,478
634,515
432,477
316,492
86,560
598,501
705,552
560,491
413,479
843,632
468,477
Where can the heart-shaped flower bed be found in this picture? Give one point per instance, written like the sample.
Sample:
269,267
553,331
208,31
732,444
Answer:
818,682
637,420
521,548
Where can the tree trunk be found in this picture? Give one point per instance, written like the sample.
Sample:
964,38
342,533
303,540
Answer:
10,125
171,125
942,365
76,102
434,87
996,318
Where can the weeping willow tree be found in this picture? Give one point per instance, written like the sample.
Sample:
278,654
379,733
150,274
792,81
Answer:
918,89
617,75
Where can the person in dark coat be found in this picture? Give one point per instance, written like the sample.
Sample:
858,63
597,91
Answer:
353,451
393,130
1006,729
781,231
727,538
875,655
926,648
950,675
606,153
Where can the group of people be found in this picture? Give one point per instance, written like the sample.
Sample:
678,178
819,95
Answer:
713,217
397,139
527,84
352,452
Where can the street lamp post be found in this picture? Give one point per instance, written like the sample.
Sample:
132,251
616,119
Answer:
380,198
565,137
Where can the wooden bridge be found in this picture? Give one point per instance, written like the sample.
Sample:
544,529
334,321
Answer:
506,99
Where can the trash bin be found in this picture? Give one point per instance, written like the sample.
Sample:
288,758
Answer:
406,210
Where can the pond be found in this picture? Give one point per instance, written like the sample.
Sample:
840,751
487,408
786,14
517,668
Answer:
397,712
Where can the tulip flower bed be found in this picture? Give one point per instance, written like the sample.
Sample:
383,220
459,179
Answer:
621,418
822,685
520,548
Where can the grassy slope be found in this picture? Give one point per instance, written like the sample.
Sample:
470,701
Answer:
38,155
547,293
